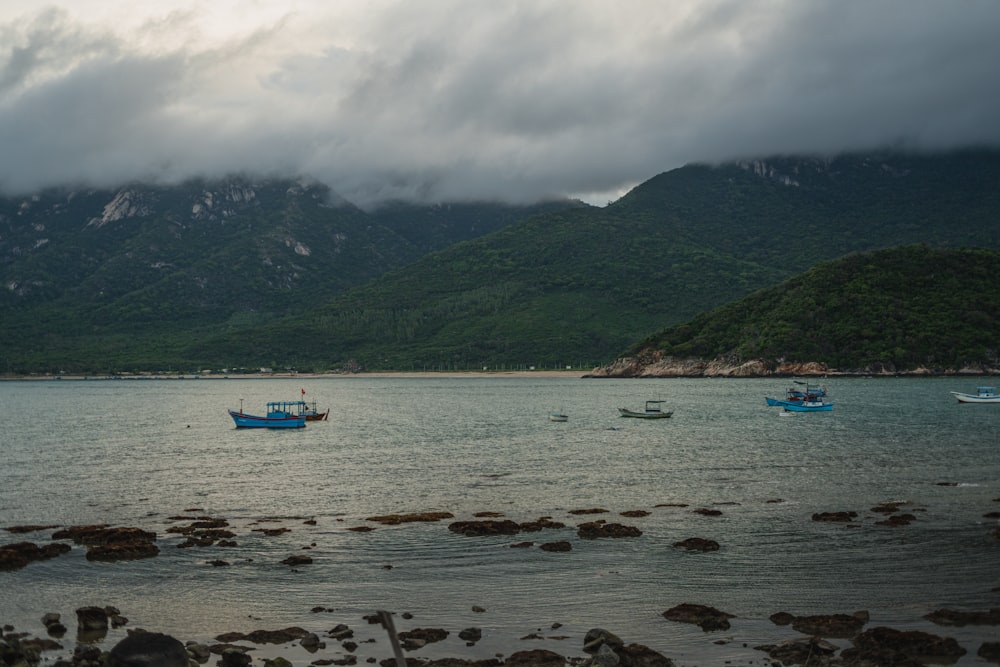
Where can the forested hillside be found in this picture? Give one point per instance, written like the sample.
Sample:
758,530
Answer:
891,310
578,287
221,280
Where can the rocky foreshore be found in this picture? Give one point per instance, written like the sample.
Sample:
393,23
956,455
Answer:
871,647
654,364
831,640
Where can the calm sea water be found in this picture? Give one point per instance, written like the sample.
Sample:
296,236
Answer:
135,453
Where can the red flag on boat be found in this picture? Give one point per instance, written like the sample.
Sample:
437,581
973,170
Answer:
303,392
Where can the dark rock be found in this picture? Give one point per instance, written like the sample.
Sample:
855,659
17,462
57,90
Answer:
18,530
880,645
556,546
56,629
592,510
471,634
265,636
634,514
427,634
116,551
85,653
198,652
148,649
838,626
597,529
541,523
17,555
782,618
90,619
697,544
485,528
234,657
105,543
396,519
803,651
637,655
53,625
897,520
604,657
597,637
707,618
535,658
704,511
297,560
102,534
960,618
989,651
887,508
340,632
522,545
838,517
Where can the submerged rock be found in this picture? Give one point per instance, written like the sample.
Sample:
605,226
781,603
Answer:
148,649
961,618
697,544
838,626
801,651
705,617
881,646
837,517
596,529
17,555
485,527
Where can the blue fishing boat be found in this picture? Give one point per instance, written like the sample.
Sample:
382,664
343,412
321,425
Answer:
280,414
803,406
810,399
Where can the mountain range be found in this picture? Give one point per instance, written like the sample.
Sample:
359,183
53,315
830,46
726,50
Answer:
245,273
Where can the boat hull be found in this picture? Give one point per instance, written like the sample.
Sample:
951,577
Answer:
972,398
644,415
800,406
243,420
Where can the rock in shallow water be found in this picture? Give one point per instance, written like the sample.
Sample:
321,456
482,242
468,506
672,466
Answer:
148,649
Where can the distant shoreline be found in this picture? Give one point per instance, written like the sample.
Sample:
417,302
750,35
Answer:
451,375
307,376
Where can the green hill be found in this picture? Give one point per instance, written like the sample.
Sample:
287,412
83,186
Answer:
120,280
577,287
890,310
283,275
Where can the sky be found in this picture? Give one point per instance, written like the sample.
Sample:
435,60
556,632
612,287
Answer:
511,100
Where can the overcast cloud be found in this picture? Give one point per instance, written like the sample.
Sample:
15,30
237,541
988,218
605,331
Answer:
471,99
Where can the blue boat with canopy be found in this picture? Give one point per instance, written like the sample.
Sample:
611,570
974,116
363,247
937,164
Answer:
280,414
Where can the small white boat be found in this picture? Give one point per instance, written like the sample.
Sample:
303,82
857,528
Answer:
558,417
652,411
985,394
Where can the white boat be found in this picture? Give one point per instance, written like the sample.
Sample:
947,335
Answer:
652,411
985,394
558,417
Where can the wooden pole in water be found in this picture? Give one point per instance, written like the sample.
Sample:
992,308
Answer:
390,627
